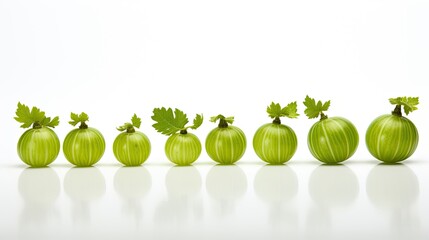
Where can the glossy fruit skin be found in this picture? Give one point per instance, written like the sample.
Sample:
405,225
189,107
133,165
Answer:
275,143
391,138
333,140
38,147
84,147
183,149
132,149
226,145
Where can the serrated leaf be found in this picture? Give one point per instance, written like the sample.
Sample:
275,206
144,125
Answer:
168,122
23,115
314,109
290,110
395,101
55,122
326,105
45,121
35,116
229,120
136,121
198,120
81,118
274,110
129,127
409,103
74,117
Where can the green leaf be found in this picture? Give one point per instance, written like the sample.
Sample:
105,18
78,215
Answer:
229,120
23,115
275,110
198,120
54,122
223,121
409,103
123,127
35,117
129,127
314,109
326,105
168,122
75,118
136,121
290,110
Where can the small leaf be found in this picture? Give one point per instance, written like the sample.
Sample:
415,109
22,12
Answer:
129,127
125,127
215,118
35,116
314,109
81,118
229,120
45,121
55,122
290,110
274,110
409,103
23,115
198,120
168,123
136,121
395,101
326,105
121,128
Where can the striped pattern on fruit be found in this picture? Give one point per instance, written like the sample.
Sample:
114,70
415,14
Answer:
84,147
38,147
226,145
183,149
131,149
275,143
333,140
392,138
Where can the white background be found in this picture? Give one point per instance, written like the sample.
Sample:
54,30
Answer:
112,59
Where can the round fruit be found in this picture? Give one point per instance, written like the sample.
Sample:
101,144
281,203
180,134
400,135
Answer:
393,138
183,149
38,147
333,140
131,147
225,144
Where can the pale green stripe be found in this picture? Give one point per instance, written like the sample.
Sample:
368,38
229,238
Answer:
391,138
84,147
275,143
183,149
38,147
226,145
131,149
333,140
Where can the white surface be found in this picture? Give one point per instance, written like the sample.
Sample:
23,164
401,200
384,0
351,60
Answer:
248,201
115,58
